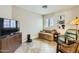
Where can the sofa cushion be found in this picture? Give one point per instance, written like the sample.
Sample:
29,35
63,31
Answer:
50,31
45,33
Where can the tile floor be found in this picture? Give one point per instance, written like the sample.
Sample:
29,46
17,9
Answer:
37,46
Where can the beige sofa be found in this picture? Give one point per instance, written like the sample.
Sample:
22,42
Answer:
47,34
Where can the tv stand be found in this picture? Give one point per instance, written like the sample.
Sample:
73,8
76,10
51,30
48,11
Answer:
9,43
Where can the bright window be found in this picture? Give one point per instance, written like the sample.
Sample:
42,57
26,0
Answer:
49,22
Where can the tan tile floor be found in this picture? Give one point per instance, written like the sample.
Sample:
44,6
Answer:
37,46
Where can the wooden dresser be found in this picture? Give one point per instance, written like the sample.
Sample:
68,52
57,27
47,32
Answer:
10,43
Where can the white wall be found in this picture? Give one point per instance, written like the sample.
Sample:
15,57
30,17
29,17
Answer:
69,14
30,23
6,11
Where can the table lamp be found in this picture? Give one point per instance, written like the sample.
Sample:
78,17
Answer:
75,22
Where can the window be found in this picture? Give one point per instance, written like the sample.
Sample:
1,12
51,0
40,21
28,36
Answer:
46,23
49,22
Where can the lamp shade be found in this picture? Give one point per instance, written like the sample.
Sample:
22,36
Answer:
75,21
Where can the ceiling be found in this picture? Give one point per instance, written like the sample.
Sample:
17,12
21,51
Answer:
51,8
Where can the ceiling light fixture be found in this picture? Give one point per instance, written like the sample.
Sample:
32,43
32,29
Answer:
44,6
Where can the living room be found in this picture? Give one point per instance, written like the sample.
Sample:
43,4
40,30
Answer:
34,19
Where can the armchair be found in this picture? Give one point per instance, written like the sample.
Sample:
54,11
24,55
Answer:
70,35
72,48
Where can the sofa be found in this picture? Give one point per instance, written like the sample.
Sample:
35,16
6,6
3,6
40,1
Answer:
47,34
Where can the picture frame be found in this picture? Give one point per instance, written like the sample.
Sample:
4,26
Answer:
61,21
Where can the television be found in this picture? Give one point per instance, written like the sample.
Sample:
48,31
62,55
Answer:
6,23
13,24
8,26
9,23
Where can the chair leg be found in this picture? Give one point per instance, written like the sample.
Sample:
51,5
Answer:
57,48
57,51
57,44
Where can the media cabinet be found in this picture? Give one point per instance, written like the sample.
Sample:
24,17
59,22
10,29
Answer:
9,43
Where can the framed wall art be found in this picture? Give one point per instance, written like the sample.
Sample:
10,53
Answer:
61,21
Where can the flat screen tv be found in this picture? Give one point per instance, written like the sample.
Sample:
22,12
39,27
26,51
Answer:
8,26
9,23
13,24
6,23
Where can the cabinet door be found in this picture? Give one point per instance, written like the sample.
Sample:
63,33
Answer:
5,45
10,43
